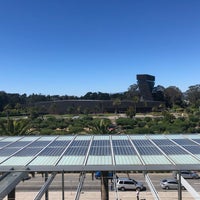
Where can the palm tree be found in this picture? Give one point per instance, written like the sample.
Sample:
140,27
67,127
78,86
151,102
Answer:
116,103
101,126
16,127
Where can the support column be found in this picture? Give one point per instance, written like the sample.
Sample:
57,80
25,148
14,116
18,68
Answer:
63,186
11,195
104,186
47,192
179,186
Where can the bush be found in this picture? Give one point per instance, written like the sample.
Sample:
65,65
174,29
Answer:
126,122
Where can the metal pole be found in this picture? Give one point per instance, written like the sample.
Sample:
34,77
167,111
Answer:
104,186
47,192
179,186
11,195
45,187
63,186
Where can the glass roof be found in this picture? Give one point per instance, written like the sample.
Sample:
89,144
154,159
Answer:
101,152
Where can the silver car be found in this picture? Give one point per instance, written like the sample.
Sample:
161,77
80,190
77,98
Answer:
169,184
189,174
129,184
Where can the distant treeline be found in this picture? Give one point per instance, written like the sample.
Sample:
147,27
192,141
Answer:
170,96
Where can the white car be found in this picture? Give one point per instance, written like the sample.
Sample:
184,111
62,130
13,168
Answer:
129,184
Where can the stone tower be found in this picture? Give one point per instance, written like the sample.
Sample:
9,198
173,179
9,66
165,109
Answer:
146,84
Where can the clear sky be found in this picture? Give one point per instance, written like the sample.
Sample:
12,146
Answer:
71,47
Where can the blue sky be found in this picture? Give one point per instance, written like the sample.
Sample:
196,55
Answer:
71,47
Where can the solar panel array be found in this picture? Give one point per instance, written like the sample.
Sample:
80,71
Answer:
123,147
91,152
100,148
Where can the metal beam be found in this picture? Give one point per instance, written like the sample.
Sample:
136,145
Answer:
63,186
190,189
45,187
179,186
9,181
151,187
80,185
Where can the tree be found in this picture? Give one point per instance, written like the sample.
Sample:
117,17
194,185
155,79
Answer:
158,93
100,126
16,127
53,108
131,112
116,104
3,100
193,95
7,109
132,91
173,96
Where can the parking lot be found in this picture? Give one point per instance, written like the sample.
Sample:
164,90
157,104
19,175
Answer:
91,188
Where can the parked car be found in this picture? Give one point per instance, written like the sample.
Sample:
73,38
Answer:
169,184
188,175
129,184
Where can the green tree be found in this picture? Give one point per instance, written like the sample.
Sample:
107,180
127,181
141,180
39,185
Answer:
100,126
116,103
16,127
193,95
131,112
132,91
173,96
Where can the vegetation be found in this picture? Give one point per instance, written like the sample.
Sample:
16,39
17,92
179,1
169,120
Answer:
180,115
16,127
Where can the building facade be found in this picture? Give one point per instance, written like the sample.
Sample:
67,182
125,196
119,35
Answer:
146,84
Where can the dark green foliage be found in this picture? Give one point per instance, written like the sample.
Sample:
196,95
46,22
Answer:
131,112
15,127
168,117
126,122
101,126
75,129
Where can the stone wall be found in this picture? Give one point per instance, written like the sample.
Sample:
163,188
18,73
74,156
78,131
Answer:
93,106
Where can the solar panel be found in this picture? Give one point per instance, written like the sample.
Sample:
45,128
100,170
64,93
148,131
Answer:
100,143
76,151
72,152
183,141
29,151
50,151
59,143
19,144
124,151
195,149
3,144
138,143
197,140
39,144
99,151
80,143
173,150
163,142
149,150
8,151
121,143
